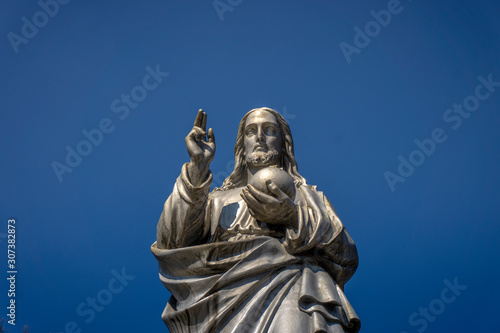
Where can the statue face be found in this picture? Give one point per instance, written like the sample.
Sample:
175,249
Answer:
262,139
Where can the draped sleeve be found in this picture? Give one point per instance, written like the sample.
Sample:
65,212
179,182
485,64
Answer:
185,220
321,234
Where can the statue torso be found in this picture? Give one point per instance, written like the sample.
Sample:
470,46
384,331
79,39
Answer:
231,219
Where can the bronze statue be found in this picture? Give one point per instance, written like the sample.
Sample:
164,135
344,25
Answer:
267,257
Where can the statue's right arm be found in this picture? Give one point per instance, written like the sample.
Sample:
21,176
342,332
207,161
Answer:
185,217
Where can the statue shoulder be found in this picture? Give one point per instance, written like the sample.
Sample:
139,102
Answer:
311,191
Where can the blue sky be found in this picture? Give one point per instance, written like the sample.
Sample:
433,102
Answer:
354,115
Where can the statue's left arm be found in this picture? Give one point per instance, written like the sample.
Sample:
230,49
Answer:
321,234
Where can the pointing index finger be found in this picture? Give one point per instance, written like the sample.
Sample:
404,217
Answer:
204,121
199,118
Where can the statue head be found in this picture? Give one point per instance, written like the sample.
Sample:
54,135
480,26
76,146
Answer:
263,139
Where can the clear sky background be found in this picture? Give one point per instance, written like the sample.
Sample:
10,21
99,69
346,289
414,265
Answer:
351,117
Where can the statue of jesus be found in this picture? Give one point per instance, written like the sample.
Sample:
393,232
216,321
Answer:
244,259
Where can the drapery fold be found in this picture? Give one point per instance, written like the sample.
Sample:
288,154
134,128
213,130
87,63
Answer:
228,272
243,292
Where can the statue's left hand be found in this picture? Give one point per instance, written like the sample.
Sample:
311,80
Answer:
277,209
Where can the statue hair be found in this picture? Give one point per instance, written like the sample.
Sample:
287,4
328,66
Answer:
238,177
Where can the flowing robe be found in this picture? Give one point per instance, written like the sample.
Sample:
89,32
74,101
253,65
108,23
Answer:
228,272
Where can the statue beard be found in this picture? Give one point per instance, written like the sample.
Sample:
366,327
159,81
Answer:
262,159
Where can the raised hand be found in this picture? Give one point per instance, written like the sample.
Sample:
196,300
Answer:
201,149
277,209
